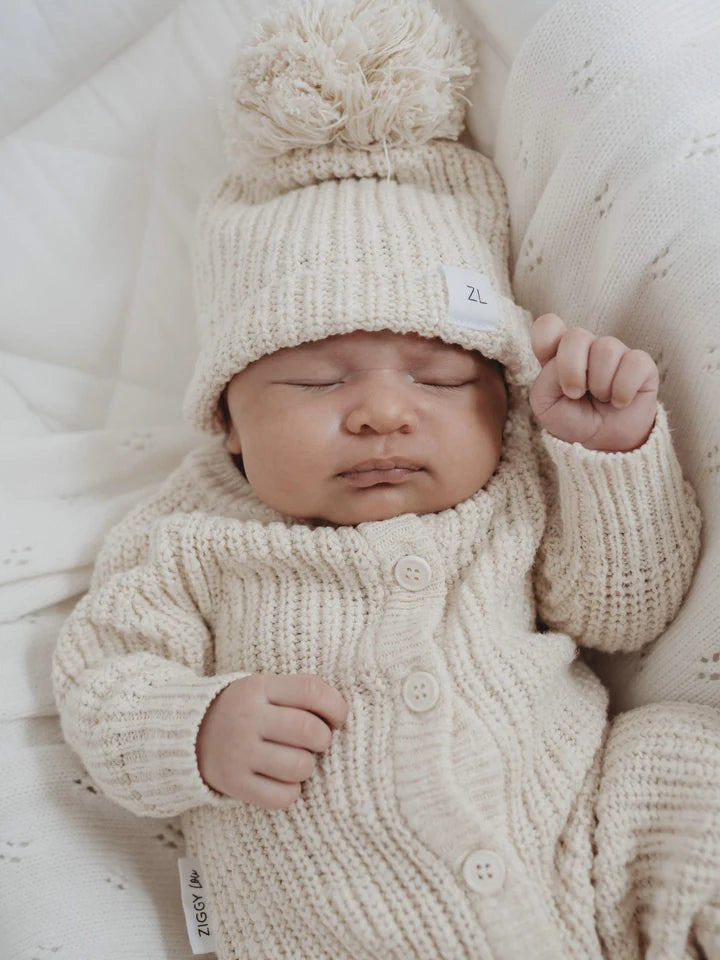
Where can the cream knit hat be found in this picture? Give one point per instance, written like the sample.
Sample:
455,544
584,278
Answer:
348,205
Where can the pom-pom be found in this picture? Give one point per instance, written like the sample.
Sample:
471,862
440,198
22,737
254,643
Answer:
356,72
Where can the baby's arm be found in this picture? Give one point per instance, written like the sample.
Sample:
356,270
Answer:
130,675
623,528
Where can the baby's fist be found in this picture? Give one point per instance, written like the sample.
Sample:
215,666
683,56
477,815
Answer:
258,739
592,390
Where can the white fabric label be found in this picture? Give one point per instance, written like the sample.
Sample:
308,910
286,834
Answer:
472,300
195,905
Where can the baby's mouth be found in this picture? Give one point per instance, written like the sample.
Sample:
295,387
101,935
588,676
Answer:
368,478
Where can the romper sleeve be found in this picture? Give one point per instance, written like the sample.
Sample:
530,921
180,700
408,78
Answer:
621,540
133,674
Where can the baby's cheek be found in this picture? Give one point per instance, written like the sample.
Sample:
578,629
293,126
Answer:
304,443
473,444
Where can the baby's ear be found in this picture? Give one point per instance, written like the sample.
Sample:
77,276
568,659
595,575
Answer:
232,442
223,419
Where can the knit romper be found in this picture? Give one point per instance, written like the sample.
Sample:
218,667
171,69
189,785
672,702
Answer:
477,803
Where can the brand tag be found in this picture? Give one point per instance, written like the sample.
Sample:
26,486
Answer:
195,905
472,300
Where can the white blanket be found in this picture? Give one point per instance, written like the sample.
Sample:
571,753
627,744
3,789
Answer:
108,137
609,144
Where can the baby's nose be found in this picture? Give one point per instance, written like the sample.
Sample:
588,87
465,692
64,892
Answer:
384,404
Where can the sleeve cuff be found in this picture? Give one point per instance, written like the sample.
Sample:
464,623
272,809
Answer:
576,456
641,489
622,541
162,774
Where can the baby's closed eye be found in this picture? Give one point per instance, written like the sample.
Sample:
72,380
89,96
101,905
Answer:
423,383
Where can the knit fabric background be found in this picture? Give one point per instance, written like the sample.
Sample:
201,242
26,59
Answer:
609,145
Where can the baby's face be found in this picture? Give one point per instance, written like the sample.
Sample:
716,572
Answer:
305,416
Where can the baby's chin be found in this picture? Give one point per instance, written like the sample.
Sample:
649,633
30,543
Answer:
352,518
379,505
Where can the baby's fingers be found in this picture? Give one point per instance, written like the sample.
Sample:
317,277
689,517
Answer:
572,361
268,793
307,691
603,363
280,762
296,728
636,373
545,335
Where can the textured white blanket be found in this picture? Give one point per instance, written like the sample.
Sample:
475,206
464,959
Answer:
609,144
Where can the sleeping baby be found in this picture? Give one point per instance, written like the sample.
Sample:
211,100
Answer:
342,639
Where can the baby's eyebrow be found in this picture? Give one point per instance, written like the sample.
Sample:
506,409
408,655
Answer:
416,352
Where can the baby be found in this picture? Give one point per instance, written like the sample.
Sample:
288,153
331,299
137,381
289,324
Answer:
341,639
371,425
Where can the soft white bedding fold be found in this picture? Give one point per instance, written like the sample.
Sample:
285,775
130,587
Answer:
609,144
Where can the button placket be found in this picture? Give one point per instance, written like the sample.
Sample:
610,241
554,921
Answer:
420,689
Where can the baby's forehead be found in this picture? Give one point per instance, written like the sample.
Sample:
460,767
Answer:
359,342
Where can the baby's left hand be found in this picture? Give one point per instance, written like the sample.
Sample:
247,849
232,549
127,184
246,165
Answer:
592,390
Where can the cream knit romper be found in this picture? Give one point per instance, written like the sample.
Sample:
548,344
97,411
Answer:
477,803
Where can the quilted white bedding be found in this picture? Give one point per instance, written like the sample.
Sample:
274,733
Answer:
109,138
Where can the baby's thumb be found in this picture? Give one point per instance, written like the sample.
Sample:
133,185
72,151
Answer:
545,336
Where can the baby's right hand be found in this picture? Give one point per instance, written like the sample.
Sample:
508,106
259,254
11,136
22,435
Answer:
256,738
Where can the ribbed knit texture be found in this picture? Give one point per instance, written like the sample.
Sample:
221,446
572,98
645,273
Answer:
276,267
368,862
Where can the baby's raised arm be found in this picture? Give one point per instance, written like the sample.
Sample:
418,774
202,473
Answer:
622,532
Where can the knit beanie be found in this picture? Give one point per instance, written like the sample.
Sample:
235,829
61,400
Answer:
348,203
